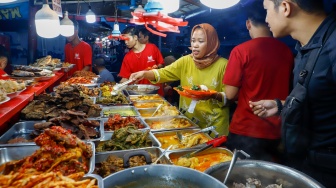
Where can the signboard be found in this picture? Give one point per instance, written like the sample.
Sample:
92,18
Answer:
14,11
57,7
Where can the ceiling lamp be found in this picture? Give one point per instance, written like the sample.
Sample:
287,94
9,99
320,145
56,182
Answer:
47,22
7,1
90,16
116,32
153,6
219,4
67,27
170,6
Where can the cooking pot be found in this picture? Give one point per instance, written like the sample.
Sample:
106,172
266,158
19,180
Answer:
163,176
267,172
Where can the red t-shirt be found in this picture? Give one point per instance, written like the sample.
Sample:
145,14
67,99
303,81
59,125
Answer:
135,62
261,68
80,55
2,73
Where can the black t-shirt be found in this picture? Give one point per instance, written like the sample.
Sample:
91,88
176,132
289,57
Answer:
322,85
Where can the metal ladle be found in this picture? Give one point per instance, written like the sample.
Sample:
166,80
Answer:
233,161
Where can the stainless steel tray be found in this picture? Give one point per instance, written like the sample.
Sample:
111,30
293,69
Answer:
147,112
25,128
119,110
149,121
183,131
99,179
19,152
176,154
116,104
148,97
148,104
101,157
108,136
103,120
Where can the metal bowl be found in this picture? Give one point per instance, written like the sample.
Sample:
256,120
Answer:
141,89
267,172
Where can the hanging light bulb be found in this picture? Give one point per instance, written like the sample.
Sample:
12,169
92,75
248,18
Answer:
90,16
140,9
219,4
7,1
153,6
47,22
170,6
116,32
67,27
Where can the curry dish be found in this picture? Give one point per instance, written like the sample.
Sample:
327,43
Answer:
202,162
170,124
187,142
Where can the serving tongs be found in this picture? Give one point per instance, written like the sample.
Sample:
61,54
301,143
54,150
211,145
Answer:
162,154
181,137
233,162
212,143
116,88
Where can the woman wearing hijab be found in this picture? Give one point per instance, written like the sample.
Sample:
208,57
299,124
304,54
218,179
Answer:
202,67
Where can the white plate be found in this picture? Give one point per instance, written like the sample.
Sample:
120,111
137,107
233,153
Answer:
44,78
89,85
6,100
16,93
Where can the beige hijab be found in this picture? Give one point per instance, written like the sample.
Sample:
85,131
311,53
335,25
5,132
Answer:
213,43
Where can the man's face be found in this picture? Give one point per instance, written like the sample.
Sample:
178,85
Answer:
132,40
71,38
143,39
275,18
3,63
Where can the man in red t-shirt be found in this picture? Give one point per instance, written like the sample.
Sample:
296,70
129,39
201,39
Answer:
140,57
257,69
78,52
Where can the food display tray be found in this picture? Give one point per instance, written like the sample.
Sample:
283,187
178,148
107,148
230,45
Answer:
103,120
147,112
99,179
148,104
108,136
25,128
19,152
148,97
125,93
122,110
168,118
101,157
183,131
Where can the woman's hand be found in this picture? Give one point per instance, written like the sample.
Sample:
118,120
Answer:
137,76
264,108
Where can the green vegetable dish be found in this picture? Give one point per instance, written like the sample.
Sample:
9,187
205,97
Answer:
179,87
195,87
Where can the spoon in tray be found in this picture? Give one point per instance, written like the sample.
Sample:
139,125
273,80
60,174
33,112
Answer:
157,109
181,137
162,154
118,87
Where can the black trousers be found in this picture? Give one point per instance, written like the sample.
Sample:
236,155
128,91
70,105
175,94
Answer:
257,148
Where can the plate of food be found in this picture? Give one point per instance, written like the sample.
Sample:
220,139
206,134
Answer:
183,93
199,90
6,100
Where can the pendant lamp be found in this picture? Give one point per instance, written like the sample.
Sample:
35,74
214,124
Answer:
219,4
47,22
116,32
153,6
170,6
67,27
90,16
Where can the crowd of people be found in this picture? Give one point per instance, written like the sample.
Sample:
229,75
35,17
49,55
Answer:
258,76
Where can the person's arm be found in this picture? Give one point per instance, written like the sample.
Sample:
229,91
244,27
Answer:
149,75
265,108
231,92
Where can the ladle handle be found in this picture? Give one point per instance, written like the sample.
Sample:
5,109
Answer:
233,161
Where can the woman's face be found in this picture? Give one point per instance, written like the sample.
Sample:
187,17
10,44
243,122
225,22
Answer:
198,43
132,40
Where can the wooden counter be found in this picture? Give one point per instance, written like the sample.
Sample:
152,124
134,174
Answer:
13,107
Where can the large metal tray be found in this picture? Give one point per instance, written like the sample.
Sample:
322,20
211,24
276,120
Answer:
149,121
101,157
148,104
103,120
178,153
148,97
108,136
25,128
147,112
19,152
99,179
116,104
183,131
119,110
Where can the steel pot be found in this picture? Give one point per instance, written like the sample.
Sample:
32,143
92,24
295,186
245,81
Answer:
165,176
267,172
